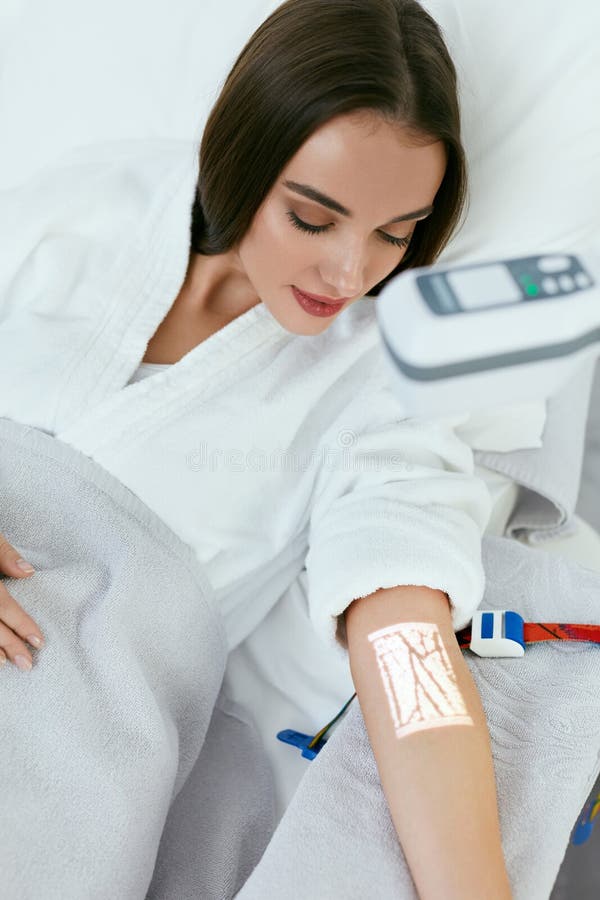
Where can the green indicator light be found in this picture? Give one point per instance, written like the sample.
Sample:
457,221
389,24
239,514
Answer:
533,290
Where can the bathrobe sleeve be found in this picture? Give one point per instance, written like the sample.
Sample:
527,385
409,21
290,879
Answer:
396,502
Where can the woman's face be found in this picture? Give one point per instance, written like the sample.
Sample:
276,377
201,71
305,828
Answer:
367,174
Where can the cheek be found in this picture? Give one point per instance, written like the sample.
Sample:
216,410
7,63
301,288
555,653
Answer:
273,250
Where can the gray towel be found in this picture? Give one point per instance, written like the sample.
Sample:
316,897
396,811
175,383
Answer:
549,475
336,840
126,772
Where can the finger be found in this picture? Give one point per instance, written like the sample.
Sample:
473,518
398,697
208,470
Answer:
16,619
14,649
11,562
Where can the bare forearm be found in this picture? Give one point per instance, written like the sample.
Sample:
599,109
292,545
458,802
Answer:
434,761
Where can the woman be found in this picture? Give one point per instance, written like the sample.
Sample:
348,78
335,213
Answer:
330,162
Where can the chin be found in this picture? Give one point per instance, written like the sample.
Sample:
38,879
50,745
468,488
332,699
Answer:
310,328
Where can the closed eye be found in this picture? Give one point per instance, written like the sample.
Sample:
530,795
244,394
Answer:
319,229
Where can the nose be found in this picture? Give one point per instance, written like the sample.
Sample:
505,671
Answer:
346,271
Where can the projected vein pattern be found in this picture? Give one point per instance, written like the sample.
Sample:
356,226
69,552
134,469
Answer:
418,678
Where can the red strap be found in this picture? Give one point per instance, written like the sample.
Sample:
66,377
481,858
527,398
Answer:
545,631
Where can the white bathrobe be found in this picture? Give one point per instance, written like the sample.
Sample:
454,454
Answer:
263,450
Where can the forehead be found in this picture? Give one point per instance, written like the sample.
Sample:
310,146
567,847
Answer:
373,167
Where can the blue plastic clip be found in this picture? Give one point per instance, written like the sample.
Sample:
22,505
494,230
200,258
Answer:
582,832
497,632
302,741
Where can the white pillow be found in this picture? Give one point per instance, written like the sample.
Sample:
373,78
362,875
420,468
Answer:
529,77
76,73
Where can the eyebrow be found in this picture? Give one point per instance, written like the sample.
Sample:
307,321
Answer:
313,194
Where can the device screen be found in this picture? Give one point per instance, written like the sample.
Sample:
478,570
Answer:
485,286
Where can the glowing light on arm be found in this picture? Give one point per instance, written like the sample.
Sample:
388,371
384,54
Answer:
418,678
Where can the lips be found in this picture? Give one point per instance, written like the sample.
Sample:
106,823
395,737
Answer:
322,299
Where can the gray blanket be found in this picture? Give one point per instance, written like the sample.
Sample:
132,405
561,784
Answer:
127,773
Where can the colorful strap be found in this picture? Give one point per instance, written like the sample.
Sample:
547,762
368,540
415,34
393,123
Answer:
544,631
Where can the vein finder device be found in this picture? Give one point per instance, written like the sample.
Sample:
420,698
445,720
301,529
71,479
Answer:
481,335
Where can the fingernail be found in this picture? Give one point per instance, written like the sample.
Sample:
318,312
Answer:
25,566
34,639
23,663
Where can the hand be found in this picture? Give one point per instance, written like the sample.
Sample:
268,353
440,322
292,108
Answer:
16,626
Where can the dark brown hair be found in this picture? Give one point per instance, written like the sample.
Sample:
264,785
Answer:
312,60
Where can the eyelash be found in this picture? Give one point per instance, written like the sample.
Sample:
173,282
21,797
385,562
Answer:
319,229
